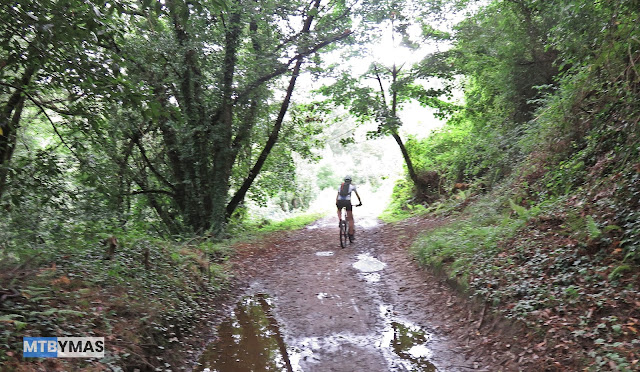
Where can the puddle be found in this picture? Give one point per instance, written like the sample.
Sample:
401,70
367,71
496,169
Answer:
250,340
368,264
367,222
404,346
409,343
371,277
324,253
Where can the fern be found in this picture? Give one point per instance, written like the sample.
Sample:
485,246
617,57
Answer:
592,228
520,210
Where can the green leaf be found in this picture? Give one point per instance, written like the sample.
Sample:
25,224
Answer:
10,317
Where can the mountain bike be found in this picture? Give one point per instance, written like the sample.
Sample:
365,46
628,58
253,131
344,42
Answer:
344,227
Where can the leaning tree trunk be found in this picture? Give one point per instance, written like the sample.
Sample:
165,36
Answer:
275,131
407,160
396,136
273,138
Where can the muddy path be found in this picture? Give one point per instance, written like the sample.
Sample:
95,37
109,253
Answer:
305,304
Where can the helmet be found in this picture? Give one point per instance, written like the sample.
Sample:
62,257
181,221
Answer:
347,178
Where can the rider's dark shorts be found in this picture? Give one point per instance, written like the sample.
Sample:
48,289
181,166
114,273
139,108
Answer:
344,204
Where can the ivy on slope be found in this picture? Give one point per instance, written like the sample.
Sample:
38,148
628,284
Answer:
562,267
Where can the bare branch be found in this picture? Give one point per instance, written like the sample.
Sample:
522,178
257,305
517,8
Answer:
140,192
143,152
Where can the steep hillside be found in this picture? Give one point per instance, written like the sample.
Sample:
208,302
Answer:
540,169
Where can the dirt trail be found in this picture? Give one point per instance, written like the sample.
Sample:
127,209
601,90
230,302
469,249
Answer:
367,307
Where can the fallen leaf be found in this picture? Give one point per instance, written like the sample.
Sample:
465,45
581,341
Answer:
64,280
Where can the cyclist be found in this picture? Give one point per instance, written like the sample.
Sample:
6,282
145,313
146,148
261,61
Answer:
343,200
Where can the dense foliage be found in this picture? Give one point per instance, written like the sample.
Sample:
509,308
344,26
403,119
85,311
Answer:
536,76
145,123
160,111
549,130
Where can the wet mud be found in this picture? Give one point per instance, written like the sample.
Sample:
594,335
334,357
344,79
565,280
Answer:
309,305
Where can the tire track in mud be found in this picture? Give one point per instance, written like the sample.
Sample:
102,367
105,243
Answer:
367,307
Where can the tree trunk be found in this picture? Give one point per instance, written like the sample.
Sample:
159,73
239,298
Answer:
407,160
9,123
396,136
271,141
275,131
222,131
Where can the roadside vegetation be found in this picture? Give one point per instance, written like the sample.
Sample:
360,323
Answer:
538,173
153,300
144,295
133,135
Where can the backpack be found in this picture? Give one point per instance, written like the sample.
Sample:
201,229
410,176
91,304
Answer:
344,189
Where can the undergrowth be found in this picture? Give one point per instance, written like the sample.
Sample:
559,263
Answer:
562,267
146,296
143,295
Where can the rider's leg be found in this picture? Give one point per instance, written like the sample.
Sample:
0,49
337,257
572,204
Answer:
339,214
351,223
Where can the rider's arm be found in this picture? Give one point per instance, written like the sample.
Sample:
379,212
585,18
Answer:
358,195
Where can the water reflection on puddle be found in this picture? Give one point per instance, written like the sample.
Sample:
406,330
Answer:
324,253
248,341
404,345
368,264
409,343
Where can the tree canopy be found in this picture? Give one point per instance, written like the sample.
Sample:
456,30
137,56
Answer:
165,107
174,111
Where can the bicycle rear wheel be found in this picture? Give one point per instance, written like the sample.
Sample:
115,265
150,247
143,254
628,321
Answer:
343,234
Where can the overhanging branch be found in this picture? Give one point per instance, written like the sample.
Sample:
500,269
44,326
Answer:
285,67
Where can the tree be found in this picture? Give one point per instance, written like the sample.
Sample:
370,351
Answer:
505,64
53,59
209,80
169,105
379,94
